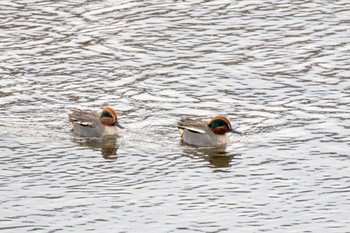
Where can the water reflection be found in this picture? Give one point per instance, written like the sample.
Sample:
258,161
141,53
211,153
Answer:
220,161
217,157
108,145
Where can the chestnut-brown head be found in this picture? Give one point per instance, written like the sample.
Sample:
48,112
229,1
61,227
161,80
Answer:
220,125
109,117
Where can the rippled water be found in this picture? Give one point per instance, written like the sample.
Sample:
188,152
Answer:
278,70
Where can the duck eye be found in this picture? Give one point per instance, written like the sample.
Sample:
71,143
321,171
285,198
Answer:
218,123
106,114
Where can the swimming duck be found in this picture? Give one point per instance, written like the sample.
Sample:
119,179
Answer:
88,123
203,133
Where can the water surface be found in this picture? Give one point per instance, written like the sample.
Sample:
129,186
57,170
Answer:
278,70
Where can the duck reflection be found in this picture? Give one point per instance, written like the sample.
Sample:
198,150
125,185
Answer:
217,157
108,146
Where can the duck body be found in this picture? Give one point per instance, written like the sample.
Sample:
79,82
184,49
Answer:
87,123
205,133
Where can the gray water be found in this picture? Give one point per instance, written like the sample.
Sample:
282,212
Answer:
279,70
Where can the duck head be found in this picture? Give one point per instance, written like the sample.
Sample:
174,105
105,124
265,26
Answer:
220,125
109,117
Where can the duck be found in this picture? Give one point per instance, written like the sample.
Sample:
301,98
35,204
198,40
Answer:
87,123
204,133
